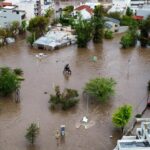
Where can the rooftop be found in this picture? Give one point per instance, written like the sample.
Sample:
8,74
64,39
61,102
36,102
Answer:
10,7
86,7
134,144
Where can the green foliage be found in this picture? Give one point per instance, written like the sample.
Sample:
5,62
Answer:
138,115
129,39
115,15
65,100
122,116
108,34
18,71
67,11
83,30
23,25
98,23
32,133
101,88
69,8
14,28
129,12
145,30
38,25
8,81
3,33
129,21
66,21
148,86
49,12
31,39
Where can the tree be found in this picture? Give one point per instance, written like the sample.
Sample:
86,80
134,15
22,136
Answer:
145,31
108,34
83,30
38,25
98,23
115,15
32,133
101,88
23,25
8,81
49,12
68,10
14,28
18,71
122,116
3,34
129,39
67,99
129,12
31,38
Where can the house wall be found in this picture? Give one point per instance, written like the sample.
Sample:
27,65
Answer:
7,16
143,12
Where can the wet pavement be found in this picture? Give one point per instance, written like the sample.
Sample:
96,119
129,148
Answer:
130,68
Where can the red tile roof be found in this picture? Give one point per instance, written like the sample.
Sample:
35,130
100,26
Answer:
138,17
86,7
3,4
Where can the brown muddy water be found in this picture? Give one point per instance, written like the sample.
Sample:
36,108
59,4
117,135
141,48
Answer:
130,68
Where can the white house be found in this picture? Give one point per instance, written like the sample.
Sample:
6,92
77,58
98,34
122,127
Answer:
139,142
143,11
121,5
8,14
85,11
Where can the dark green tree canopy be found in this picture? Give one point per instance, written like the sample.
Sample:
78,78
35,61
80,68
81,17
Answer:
9,81
32,133
38,25
98,24
83,30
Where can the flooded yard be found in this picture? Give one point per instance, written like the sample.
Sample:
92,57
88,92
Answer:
130,68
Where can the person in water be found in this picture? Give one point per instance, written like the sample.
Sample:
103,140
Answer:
67,68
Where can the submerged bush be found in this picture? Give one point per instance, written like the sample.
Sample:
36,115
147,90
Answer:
18,71
9,81
101,88
129,39
108,34
65,100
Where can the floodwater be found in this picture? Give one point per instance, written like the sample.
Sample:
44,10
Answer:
130,68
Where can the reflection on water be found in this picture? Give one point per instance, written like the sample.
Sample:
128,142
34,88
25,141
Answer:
130,68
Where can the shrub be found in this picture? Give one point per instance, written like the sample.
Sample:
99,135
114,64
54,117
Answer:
129,12
66,104
115,15
32,133
8,81
101,88
122,116
31,39
128,21
108,34
18,71
138,115
129,39
65,100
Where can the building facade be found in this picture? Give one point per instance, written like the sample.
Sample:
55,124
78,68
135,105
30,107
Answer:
8,14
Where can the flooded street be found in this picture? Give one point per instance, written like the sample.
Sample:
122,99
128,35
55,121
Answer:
130,68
